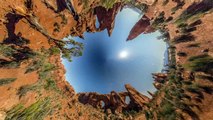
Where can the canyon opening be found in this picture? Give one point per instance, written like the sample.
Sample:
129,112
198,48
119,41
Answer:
110,62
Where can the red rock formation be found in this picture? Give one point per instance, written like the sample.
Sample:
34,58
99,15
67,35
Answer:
60,80
159,79
157,85
106,17
142,26
115,101
136,98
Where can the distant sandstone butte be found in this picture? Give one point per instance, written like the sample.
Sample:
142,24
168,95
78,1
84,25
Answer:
142,26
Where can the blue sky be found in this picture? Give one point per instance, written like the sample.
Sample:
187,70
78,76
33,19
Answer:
108,63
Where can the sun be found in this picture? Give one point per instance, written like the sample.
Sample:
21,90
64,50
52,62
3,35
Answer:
123,54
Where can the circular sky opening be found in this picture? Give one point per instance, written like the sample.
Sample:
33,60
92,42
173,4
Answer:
108,63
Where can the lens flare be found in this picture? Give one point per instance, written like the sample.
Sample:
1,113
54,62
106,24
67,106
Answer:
123,54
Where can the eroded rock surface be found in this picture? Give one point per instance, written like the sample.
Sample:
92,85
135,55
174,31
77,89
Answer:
116,102
142,26
106,17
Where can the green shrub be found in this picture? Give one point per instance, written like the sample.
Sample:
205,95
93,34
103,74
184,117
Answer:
86,3
50,84
56,27
205,77
201,63
46,68
16,55
165,2
186,109
130,112
108,3
142,7
4,81
148,115
36,111
7,51
70,48
195,10
170,18
21,41
187,29
38,61
183,38
172,61
177,7
207,88
26,88
35,65
159,20
195,89
186,82
54,51
167,111
182,25
195,23
182,54
9,64
193,45
198,57
64,19
164,35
